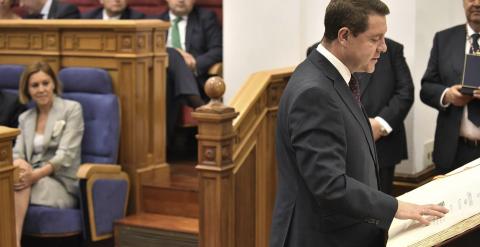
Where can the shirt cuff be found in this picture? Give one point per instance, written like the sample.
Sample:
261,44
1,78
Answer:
441,99
385,126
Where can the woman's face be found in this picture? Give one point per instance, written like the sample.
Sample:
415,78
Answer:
40,88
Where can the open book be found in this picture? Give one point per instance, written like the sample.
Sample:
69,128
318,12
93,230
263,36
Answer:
459,191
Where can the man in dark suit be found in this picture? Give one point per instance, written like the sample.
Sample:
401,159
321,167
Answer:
49,9
327,192
114,10
196,34
10,109
457,136
387,96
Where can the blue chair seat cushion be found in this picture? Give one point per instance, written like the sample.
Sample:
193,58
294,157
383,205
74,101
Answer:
42,220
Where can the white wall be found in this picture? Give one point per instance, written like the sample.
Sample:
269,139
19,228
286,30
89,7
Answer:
275,34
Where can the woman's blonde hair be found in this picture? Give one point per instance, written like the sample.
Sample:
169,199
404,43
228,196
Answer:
31,69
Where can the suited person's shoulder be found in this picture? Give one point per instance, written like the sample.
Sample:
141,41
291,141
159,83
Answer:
204,13
453,29
92,14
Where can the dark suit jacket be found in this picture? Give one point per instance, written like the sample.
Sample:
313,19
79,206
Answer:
59,10
128,14
327,192
445,68
388,93
10,109
203,39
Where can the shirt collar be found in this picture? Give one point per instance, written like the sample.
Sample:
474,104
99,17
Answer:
173,16
46,9
106,17
342,68
470,31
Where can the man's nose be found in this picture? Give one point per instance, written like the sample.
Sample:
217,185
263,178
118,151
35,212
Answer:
383,45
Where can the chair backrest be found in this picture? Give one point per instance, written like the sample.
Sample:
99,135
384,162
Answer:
92,88
10,77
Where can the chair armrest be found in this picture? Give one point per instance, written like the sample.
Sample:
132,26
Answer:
216,69
88,170
104,191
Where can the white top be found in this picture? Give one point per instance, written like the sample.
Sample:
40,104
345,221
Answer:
182,29
106,17
46,9
38,143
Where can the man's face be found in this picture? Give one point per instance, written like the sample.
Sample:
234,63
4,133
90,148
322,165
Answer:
364,49
180,7
32,6
472,11
114,7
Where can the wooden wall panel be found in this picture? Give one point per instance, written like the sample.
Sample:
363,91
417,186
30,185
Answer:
245,201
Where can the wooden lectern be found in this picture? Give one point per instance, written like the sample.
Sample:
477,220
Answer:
7,213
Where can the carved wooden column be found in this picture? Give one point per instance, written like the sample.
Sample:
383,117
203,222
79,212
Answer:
7,212
215,168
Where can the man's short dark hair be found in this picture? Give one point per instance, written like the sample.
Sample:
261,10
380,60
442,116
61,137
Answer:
352,14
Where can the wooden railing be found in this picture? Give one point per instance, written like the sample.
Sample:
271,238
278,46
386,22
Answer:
7,213
134,54
236,161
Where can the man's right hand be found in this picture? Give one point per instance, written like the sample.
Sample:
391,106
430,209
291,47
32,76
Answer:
454,97
416,212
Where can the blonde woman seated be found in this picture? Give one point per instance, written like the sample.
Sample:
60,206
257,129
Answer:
47,151
6,11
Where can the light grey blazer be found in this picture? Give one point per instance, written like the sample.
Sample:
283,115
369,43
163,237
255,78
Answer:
62,140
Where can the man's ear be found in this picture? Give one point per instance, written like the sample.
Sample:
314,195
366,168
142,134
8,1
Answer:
343,35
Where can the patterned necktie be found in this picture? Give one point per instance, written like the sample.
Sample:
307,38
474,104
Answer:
474,105
355,88
475,47
176,33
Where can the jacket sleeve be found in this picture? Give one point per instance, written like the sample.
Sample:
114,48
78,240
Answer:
319,139
213,39
432,85
71,139
395,111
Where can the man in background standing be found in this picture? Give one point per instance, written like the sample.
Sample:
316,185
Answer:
457,135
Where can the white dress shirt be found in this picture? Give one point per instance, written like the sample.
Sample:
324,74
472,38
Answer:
46,9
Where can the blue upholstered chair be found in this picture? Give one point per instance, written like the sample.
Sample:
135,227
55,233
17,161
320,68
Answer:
104,187
9,77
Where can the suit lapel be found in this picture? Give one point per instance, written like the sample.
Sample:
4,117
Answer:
458,50
191,23
29,133
53,10
52,119
345,94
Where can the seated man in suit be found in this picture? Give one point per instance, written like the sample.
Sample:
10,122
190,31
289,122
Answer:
181,83
49,9
10,110
113,10
196,34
